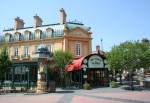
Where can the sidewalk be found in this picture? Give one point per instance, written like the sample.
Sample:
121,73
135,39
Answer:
98,95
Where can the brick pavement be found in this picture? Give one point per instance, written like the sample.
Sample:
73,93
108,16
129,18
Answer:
99,95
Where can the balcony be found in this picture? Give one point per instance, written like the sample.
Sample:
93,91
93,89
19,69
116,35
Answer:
15,57
25,56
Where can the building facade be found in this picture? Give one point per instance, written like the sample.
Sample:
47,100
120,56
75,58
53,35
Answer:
66,36
23,42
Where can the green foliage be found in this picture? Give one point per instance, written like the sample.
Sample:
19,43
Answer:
5,62
87,86
62,58
129,55
113,84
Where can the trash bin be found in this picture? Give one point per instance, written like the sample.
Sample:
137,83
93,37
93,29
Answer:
51,86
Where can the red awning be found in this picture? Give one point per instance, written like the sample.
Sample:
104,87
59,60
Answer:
75,65
69,67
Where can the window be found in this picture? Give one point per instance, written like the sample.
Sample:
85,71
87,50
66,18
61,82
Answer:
10,38
16,51
26,50
78,49
38,34
49,47
20,37
30,36
36,48
49,32
16,37
41,35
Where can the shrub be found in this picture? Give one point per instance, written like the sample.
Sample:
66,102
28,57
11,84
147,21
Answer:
113,84
87,86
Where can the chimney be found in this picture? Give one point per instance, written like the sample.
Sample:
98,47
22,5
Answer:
98,49
19,23
37,21
63,16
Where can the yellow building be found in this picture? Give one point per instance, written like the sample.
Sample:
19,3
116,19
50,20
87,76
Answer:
66,36
23,42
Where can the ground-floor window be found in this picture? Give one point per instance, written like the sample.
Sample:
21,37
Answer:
23,73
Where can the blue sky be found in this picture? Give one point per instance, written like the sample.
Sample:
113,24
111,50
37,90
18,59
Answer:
114,21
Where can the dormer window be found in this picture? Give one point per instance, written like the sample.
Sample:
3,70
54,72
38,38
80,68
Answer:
38,34
8,37
18,36
28,35
49,32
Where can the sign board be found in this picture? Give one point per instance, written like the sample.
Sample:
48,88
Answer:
95,61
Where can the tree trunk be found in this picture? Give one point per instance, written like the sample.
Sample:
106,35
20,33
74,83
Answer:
114,75
120,76
131,80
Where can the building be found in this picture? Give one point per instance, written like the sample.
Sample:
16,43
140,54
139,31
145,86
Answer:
90,69
23,42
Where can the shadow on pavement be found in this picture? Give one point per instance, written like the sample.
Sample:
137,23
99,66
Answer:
64,91
135,88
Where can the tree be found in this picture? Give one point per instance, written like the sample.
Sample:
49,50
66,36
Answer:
61,59
115,60
130,55
5,63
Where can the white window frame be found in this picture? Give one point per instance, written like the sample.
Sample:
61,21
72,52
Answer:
16,51
26,50
49,32
78,49
50,47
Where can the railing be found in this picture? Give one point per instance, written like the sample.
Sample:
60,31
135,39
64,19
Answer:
27,56
15,57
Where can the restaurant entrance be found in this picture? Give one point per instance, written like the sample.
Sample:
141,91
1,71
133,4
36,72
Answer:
91,69
97,77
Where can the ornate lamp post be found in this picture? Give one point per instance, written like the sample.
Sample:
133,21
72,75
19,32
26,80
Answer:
43,56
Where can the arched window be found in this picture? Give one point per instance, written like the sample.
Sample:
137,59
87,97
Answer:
18,36
49,32
8,37
38,34
27,35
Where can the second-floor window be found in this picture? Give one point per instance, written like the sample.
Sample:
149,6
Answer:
16,51
50,47
78,49
36,48
26,50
